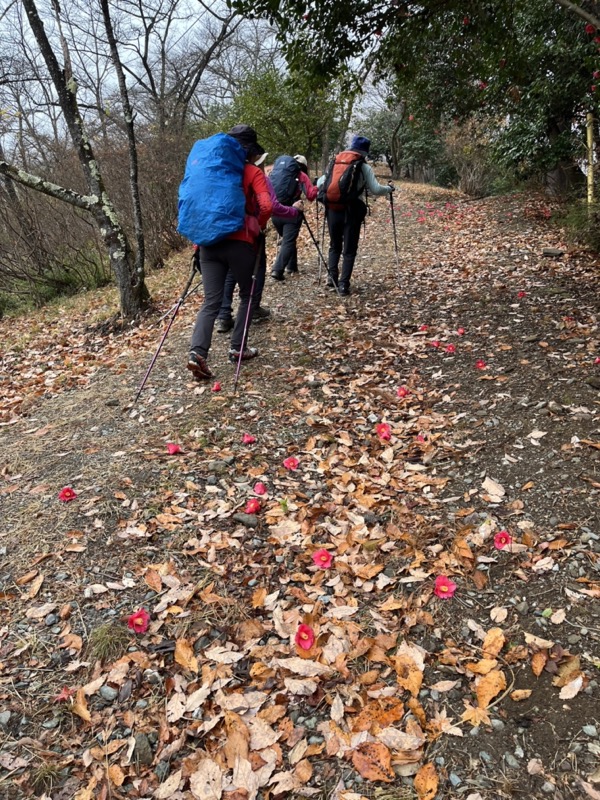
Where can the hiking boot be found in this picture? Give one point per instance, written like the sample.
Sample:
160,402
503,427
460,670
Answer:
345,291
247,354
198,367
224,325
330,284
261,313
278,276
292,272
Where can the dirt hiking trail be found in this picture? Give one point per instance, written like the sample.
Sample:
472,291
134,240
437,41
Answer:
443,426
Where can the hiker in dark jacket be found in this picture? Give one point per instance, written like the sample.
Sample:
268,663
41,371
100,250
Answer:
288,229
237,252
344,223
259,312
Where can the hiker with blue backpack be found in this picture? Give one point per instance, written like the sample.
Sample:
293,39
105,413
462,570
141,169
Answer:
341,191
290,180
224,204
259,312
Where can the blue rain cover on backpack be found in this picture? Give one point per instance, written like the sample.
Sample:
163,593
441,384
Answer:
284,177
211,198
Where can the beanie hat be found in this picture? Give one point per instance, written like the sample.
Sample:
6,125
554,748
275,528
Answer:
360,143
246,136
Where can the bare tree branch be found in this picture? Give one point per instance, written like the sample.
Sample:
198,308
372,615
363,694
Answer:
580,12
87,202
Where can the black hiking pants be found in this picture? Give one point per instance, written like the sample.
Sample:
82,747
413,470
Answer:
344,233
216,262
288,253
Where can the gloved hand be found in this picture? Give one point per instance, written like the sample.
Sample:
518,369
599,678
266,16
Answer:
392,187
299,204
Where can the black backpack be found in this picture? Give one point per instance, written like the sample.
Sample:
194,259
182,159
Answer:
342,179
284,177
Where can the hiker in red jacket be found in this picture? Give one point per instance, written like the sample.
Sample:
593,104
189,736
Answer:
237,252
294,184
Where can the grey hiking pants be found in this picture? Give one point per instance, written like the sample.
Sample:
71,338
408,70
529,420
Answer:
216,261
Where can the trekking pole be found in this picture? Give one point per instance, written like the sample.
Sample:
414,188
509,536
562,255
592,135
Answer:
178,304
318,259
322,238
366,214
261,245
322,260
394,228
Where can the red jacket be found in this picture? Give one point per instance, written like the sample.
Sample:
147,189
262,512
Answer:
307,188
258,204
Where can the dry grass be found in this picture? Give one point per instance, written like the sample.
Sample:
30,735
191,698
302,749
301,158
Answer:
108,642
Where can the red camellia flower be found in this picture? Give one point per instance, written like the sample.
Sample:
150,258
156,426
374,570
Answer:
420,438
66,494
305,637
247,438
597,360
589,28
424,327
481,364
435,343
260,488
402,391
502,539
64,695
291,463
460,331
520,295
252,506
384,431
216,387
322,558
411,118
173,449
466,20
451,348
596,74
444,587
138,622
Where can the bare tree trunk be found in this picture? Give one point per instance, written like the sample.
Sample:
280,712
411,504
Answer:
130,277
133,158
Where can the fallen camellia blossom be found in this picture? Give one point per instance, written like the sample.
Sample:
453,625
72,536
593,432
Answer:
247,438
216,387
597,360
384,431
451,348
65,694
444,587
424,328
305,637
402,391
481,364
138,622
252,506
435,343
173,449
460,331
502,539
66,494
260,488
291,463
520,295
322,558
